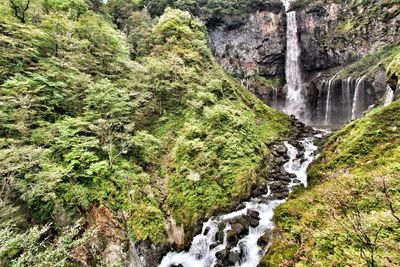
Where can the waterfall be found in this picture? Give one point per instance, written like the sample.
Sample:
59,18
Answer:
328,100
294,99
389,96
346,96
359,89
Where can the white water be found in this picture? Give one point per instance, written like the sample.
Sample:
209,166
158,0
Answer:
200,254
328,100
359,88
389,96
295,103
346,93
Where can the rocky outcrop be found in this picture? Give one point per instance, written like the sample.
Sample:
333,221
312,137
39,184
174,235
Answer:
254,49
333,34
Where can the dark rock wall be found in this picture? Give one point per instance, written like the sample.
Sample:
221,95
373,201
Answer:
254,50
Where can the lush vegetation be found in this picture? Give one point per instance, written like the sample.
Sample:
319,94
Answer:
351,214
386,57
144,123
211,11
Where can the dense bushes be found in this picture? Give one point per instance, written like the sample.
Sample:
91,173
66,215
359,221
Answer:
81,124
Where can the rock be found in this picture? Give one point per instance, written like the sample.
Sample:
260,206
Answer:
254,222
239,229
233,257
283,171
296,181
206,231
281,195
231,237
221,254
253,213
254,47
281,149
264,240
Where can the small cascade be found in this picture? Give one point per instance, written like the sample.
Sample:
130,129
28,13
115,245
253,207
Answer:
209,248
359,90
343,100
389,97
346,96
329,101
294,103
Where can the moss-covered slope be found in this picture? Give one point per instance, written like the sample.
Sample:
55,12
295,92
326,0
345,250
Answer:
165,137
350,215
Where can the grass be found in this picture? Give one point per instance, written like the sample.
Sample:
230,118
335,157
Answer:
328,223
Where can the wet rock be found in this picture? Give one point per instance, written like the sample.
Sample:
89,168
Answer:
222,254
253,213
214,245
264,240
240,229
231,237
281,195
253,222
283,171
292,175
207,230
296,181
233,257
277,185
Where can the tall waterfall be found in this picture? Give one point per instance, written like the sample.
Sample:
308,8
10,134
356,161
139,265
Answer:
295,103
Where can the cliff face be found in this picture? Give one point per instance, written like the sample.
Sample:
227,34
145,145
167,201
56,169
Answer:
253,49
335,38
334,34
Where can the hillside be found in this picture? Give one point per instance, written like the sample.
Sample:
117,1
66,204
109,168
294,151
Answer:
133,149
350,215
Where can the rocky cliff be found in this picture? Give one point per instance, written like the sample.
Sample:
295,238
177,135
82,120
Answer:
334,35
253,49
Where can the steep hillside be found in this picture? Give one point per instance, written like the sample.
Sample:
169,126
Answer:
138,150
350,215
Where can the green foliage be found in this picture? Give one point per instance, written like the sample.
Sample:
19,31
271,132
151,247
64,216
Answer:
81,123
350,214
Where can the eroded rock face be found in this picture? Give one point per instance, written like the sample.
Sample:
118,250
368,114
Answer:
253,50
328,35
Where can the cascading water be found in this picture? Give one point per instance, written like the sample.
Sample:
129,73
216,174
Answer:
295,103
342,100
357,95
346,96
205,246
328,101
389,97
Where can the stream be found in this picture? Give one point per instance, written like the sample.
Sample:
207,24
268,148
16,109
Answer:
212,248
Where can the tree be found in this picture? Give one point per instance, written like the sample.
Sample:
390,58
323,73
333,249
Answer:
20,8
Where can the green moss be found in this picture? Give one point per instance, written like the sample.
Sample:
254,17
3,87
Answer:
316,226
387,57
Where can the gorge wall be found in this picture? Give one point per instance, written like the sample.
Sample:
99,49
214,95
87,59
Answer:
345,70
254,50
